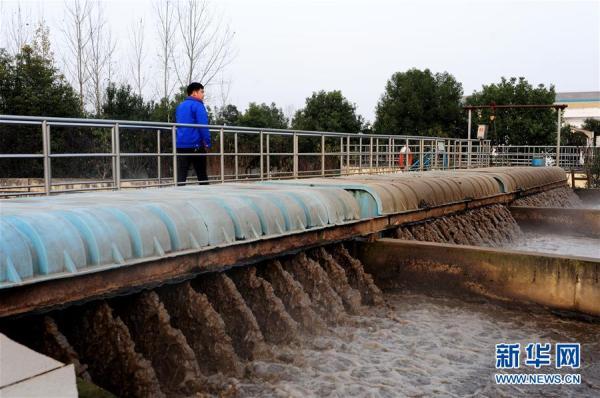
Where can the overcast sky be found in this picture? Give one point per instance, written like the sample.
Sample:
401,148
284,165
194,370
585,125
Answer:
288,49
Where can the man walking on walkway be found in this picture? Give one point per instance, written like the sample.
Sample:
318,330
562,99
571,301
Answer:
192,140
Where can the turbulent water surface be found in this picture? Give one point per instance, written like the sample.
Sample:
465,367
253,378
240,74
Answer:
423,346
559,244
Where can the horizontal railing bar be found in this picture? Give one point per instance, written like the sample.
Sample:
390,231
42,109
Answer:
20,121
17,156
154,125
83,155
4,188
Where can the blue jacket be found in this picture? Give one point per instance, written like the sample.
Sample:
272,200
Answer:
192,111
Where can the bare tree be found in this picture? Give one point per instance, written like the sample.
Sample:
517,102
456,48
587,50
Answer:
20,30
77,33
100,50
289,111
206,42
138,57
224,90
2,24
165,11
41,41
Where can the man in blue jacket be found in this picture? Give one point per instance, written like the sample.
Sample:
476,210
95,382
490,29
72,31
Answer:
192,140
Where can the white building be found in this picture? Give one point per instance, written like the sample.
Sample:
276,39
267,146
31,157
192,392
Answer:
580,106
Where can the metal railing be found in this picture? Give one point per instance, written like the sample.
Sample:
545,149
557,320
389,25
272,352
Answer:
570,157
238,154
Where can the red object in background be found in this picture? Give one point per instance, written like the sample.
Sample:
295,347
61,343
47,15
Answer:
401,159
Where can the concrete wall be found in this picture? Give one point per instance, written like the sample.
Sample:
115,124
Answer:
559,282
26,373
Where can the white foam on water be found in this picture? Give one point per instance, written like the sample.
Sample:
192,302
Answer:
424,346
559,244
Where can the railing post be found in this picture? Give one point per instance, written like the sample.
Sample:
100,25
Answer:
348,155
262,167
421,154
341,154
46,152
370,155
558,111
323,155
360,155
469,142
113,152
158,150
390,152
406,164
174,140
222,154
235,150
118,156
268,156
295,154
377,155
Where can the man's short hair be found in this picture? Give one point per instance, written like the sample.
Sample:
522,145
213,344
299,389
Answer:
195,86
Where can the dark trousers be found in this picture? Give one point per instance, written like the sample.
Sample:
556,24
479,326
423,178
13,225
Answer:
199,163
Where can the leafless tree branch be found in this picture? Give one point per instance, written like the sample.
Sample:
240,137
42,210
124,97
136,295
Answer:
77,33
165,12
20,30
207,42
99,54
138,57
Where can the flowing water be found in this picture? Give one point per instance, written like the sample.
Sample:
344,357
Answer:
559,197
424,346
486,226
207,335
312,324
559,244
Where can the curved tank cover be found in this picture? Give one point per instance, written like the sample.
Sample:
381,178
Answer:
44,237
514,179
55,236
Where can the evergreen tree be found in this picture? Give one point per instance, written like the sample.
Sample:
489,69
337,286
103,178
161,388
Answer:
30,84
517,126
418,102
328,111
263,115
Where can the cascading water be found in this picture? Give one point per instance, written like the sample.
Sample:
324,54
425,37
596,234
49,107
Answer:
559,197
212,333
491,226
275,323
296,300
204,329
172,358
487,226
339,281
104,343
240,322
175,340
317,285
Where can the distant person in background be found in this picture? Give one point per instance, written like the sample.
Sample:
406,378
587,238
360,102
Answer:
194,140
